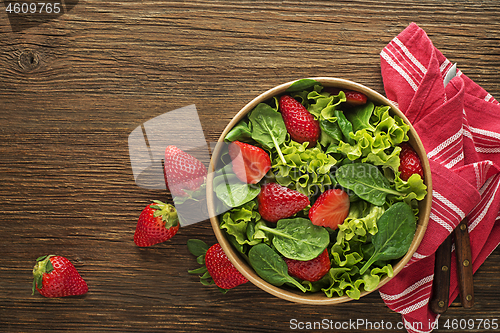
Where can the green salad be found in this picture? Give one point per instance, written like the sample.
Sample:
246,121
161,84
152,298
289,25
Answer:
358,151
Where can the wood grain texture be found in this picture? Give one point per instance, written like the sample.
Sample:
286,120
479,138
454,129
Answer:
71,91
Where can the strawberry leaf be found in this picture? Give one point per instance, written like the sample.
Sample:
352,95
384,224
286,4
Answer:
201,270
49,267
167,212
197,247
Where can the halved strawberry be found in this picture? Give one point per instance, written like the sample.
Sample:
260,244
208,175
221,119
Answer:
250,163
277,202
310,270
299,122
331,209
352,97
409,162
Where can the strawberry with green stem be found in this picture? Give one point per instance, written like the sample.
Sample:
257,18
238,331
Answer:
217,268
55,276
183,172
157,223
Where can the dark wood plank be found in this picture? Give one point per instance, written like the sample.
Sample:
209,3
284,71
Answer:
72,90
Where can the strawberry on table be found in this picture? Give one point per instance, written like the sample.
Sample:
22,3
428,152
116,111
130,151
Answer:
55,276
310,270
277,202
409,162
157,223
217,267
353,98
330,209
299,122
250,163
182,171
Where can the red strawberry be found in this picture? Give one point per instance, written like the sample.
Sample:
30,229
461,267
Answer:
277,202
250,163
299,122
55,276
331,209
183,171
222,271
157,223
310,270
352,97
409,162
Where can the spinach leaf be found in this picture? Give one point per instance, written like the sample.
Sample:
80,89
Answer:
332,129
240,132
396,230
270,266
345,125
235,193
268,127
360,117
231,191
302,84
197,247
298,238
366,181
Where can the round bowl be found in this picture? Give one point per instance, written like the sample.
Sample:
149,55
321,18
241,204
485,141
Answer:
318,298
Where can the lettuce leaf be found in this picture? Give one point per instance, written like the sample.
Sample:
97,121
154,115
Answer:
305,170
374,138
348,253
243,224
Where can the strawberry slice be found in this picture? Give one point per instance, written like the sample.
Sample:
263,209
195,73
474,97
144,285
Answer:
299,122
250,163
277,202
331,209
310,270
352,97
409,162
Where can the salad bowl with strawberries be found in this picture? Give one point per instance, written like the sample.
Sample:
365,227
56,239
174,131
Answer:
319,191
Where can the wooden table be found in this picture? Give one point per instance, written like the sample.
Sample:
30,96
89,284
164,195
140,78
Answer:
73,88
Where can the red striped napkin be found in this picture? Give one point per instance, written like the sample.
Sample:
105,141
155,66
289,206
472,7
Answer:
459,126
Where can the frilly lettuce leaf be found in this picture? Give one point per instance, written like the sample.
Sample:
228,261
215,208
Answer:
362,219
414,187
412,191
306,170
346,280
374,138
394,127
347,253
325,105
242,224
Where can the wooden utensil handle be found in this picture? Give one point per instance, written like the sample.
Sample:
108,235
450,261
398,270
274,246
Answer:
441,284
464,265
